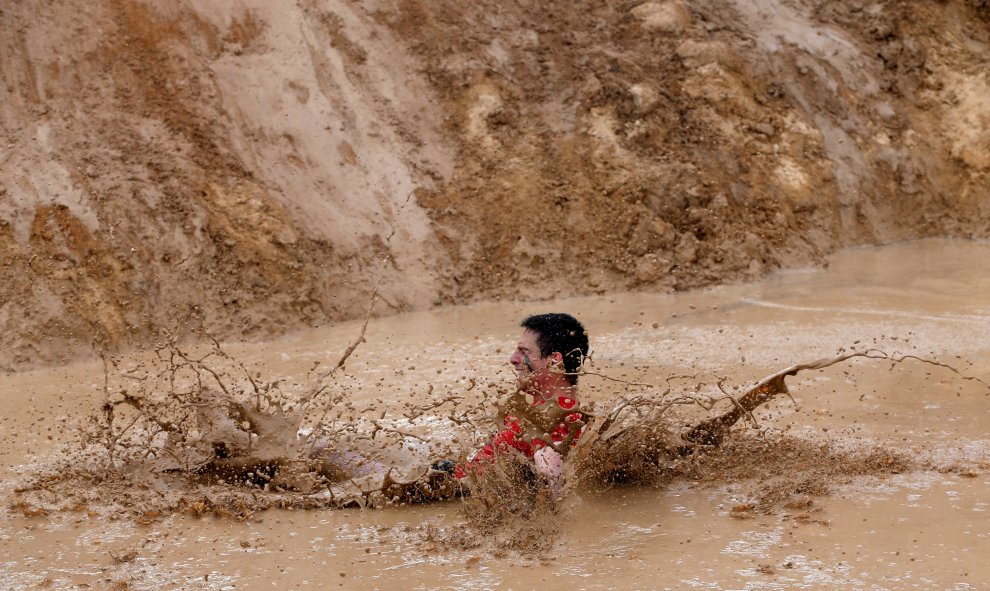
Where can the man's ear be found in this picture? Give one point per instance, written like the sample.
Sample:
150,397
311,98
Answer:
556,357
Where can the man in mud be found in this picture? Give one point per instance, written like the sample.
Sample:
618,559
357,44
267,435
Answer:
541,419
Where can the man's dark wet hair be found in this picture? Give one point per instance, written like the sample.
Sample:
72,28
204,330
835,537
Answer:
560,333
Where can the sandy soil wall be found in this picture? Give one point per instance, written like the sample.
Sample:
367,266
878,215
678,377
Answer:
246,168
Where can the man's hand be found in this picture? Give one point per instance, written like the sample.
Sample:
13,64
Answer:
549,464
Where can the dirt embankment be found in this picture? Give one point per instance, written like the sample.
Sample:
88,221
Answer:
246,169
669,145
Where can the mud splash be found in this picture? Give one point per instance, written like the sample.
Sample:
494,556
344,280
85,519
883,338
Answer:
204,435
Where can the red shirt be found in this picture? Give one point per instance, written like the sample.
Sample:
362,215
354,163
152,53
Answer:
511,437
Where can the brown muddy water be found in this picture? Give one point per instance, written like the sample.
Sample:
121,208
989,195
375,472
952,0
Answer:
922,522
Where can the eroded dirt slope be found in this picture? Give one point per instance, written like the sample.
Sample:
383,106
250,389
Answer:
250,168
670,145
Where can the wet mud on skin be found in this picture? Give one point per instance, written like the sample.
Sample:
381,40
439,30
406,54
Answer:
876,475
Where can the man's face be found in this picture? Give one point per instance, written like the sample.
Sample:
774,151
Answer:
531,367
